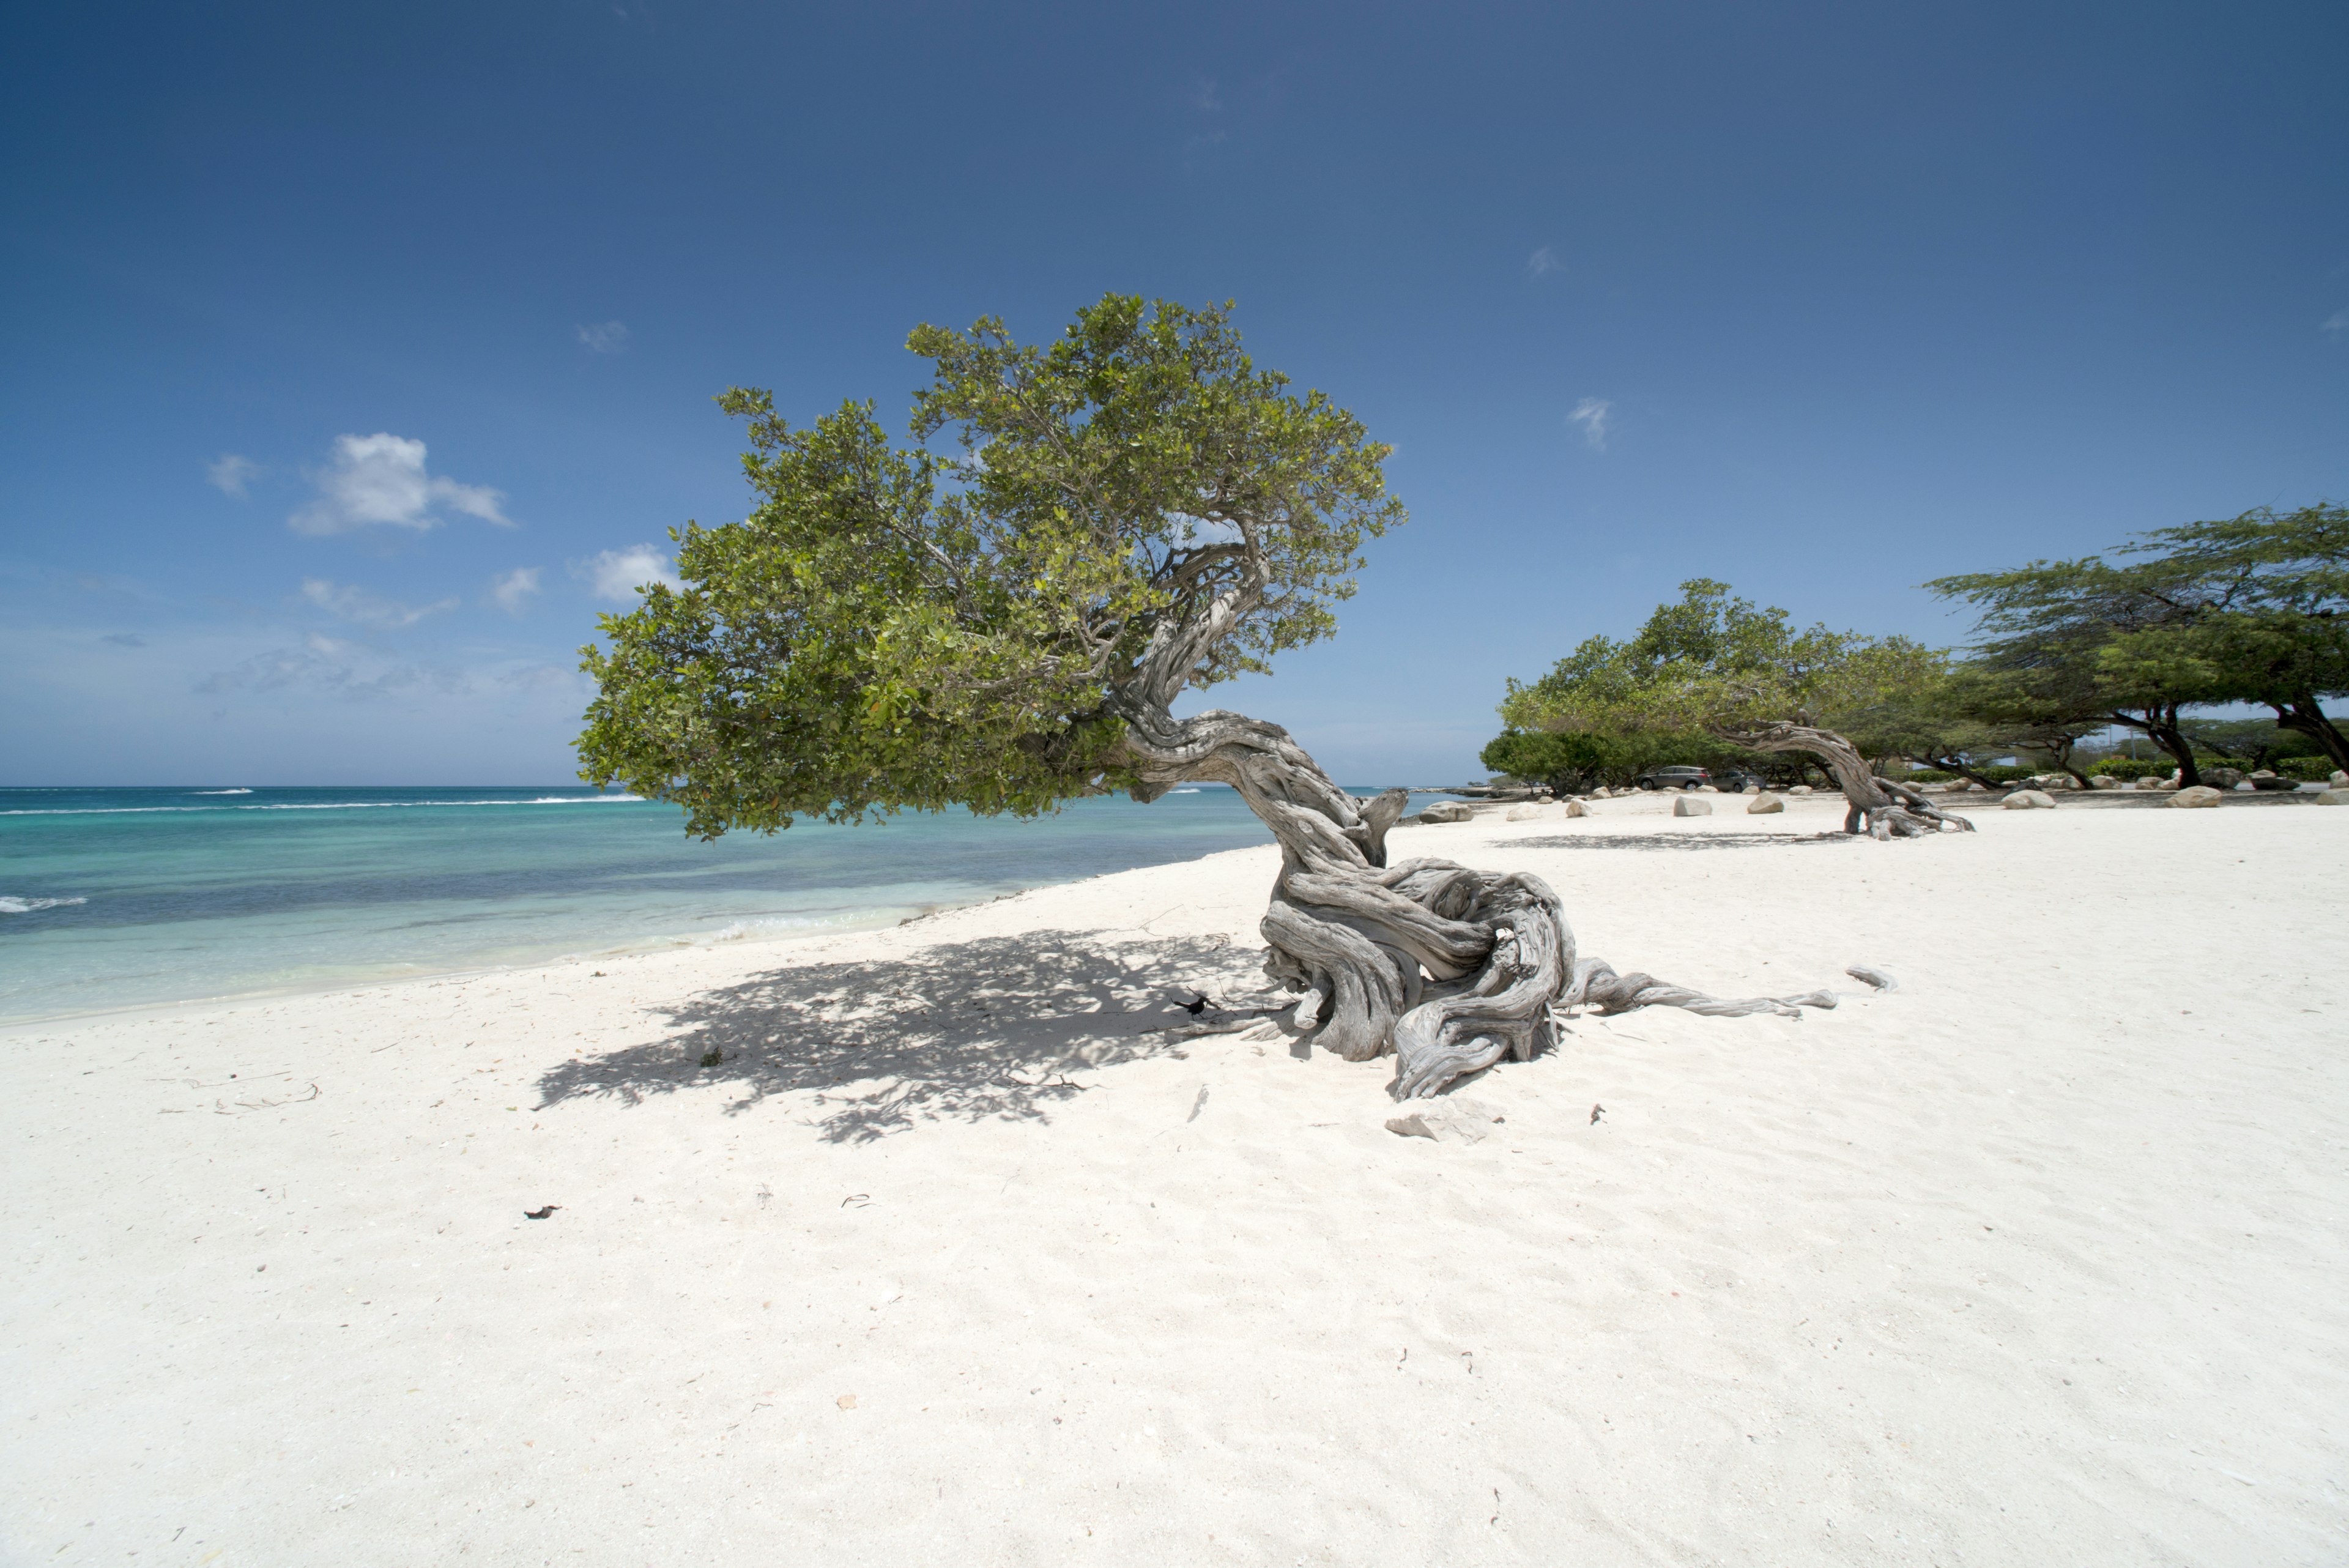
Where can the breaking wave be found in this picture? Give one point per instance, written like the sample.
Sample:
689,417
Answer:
26,906
220,791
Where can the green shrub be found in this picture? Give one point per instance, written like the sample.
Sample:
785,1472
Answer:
2006,772
2307,770
2133,768
1931,775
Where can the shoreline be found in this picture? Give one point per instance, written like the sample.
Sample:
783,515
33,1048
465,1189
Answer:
1487,813
929,1240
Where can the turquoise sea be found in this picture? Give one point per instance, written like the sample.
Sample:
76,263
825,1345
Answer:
118,898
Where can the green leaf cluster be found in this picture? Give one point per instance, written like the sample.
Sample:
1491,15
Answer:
2251,609
1714,663
1073,534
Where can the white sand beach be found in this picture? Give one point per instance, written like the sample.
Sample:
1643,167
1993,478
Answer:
954,1256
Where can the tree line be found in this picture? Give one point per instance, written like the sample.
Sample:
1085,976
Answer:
2253,609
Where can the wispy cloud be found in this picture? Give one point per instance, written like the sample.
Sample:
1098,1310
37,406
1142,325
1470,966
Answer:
603,336
1592,414
124,639
1542,261
1203,96
382,478
352,673
356,605
229,473
617,575
512,589
2337,324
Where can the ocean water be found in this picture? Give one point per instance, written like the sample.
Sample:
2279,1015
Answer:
118,898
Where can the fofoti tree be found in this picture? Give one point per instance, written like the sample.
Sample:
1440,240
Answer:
1715,663
1127,513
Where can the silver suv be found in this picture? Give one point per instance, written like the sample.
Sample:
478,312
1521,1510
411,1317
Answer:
1674,778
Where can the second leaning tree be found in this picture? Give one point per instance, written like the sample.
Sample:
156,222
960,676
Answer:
1130,512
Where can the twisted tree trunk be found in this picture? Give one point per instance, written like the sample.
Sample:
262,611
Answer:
1449,968
1881,807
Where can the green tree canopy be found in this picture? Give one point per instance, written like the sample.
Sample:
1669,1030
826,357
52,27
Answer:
2248,609
1130,510
1715,663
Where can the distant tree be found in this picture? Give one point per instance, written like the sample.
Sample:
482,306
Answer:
2254,609
1129,512
2265,616
1716,664
1561,762
2048,626
2250,743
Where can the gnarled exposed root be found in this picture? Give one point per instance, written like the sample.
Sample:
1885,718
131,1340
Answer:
1450,967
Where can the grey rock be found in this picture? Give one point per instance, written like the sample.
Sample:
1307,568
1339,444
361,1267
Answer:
1576,808
2029,800
1764,806
1524,813
1447,811
1800,789
2199,796
2333,797
1689,805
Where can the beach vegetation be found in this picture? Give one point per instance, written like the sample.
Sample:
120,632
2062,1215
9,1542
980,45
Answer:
1717,665
1001,611
2252,609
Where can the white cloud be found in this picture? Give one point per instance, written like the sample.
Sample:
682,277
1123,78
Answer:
1591,414
2337,324
616,575
381,479
361,607
1204,98
512,589
229,473
1542,261
603,336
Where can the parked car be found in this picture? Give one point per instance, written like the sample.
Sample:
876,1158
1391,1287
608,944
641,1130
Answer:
1737,780
1674,778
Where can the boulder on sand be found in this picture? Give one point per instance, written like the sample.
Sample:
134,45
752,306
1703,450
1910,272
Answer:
1763,804
2200,795
1689,805
1524,813
2333,798
1576,808
1446,811
2029,800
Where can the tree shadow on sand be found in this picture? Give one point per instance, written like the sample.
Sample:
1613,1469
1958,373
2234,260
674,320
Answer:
965,1030
1685,840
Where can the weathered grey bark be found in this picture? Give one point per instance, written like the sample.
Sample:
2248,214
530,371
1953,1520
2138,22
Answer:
1881,807
1449,968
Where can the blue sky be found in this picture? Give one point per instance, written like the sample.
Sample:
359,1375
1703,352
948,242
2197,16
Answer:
357,356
